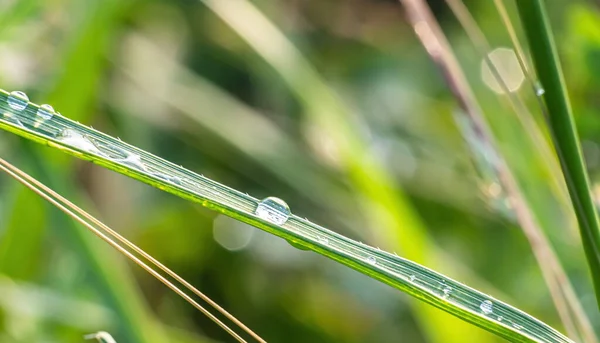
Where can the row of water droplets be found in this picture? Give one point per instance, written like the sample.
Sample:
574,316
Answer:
49,123
276,211
272,210
18,102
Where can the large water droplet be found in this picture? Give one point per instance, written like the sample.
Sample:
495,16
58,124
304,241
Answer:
17,100
446,292
486,307
102,337
77,140
45,112
273,210
371,260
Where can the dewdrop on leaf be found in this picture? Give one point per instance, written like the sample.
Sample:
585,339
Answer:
101,336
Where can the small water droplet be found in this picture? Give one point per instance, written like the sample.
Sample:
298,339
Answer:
539,90
297,245
12,118
17,100
447,290
78,140
273,210
176,180
412,278
517,326
132,160
371,260
171,179
323,240
500,318
486,307
45,112
102,337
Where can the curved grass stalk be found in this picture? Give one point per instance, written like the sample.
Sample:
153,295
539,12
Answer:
40,124
564,133
105,233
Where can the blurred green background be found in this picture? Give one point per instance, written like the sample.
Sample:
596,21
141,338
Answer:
173,78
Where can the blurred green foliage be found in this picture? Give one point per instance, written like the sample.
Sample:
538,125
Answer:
173,78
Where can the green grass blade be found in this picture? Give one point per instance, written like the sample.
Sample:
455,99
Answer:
82,54
560,118
19,253
420,282
392,220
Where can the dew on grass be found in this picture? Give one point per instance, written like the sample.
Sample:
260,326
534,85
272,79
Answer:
45,112
17,100
371,260
447,290
539,90
132,160
77,140
273,210
102,337
486,307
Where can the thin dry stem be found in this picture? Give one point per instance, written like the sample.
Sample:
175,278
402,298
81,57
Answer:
79,215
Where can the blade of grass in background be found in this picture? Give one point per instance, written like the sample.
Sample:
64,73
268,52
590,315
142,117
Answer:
395,225
17,254
197,99
568,306
16,12
126,248
564,133
111,278
43,125
75,88
439,49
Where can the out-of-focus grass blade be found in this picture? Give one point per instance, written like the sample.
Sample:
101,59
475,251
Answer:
11,14
82,57
395,224
19,251
196,98
126,248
